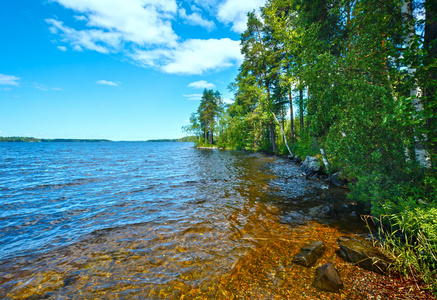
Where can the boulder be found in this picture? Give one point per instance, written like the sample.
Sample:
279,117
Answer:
327,278
311,165
363,254
337,179
309,254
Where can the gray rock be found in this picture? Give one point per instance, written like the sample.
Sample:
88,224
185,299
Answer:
327,278
309,254
311,165
320,211
337,180
363,254
293,218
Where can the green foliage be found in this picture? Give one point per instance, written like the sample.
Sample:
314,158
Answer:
204,121
35,140
412,243
188,139
18,139
366,86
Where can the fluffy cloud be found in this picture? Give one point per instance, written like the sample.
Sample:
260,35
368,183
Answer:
8,80
198,56
196,19
202,84
235,12
62,48
194,97
141,22
97,40
105,82
192,56
81,18
142,30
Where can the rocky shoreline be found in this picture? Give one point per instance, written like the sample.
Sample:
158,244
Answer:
355,250
371,277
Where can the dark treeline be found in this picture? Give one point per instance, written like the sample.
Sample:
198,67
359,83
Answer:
354,81
184,139
36,140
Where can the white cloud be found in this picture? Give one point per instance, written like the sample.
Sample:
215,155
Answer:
206,4
97,40
8,80
81,18
40,87
235,12
194,97
199,56
62,48
142,30
192,56
45,88
142,22
77,48
196,19
202,84
105,82
228,101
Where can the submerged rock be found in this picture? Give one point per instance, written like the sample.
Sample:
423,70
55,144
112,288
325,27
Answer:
311,165
293,218
309,254
363,254
321,211
327,278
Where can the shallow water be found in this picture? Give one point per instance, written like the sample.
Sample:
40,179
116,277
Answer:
154,220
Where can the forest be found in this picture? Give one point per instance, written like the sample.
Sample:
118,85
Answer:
352,82
17,139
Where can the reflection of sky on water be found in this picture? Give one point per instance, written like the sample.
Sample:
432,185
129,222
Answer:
137,217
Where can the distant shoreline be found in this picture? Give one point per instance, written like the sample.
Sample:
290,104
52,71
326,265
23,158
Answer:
16,139
19,139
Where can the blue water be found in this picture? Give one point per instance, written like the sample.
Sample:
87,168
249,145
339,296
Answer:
51,194
86,216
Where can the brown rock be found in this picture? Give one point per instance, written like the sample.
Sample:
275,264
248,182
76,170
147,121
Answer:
327,278
309,254
363,254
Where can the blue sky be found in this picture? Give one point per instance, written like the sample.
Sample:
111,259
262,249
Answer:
114,69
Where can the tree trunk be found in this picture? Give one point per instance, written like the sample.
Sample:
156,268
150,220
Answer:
211,137
301,109
290,98
283,133
430,90
272,137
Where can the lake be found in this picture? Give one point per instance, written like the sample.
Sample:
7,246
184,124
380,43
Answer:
156,220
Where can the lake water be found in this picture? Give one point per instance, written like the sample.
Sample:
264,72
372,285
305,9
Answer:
153,220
